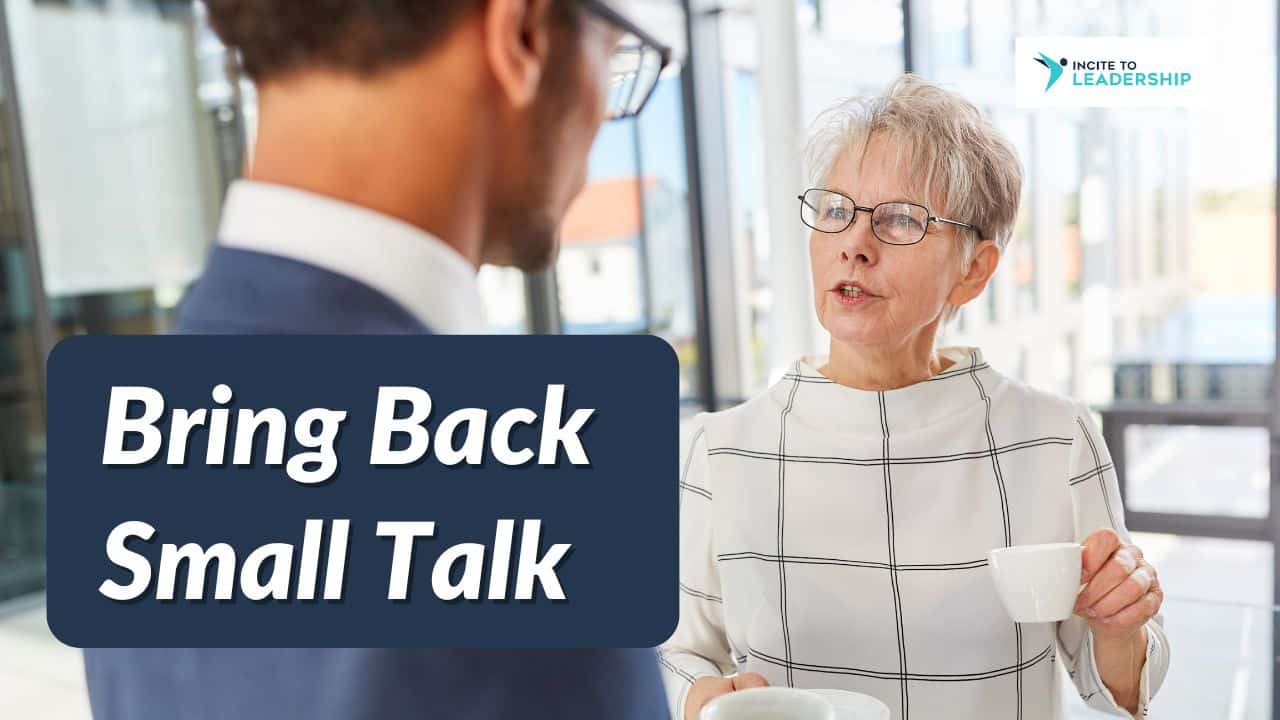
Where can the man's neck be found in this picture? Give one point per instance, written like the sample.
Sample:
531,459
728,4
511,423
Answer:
361,142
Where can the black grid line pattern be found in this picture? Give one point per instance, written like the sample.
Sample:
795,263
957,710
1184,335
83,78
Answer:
893,561
810,560
1004,511
684,471
1097,463
662,659
816,379
1019,668
702,492
699,594
958,371
993,452
907,460
1092,474
995,482
801,377
782,501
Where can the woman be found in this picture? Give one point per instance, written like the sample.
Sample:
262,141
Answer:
834,529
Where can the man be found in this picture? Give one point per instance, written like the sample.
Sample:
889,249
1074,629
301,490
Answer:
401,144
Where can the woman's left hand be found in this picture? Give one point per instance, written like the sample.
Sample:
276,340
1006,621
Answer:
1122,590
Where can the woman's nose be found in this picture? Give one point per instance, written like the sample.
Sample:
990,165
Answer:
858,244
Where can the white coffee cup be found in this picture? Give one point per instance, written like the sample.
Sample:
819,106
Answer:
768,703
850,705
1037,583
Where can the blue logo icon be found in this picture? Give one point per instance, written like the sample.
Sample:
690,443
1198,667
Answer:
1053,66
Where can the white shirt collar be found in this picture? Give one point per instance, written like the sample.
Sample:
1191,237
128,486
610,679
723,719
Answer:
430,279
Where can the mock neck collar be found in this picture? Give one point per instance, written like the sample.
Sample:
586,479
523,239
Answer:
822,403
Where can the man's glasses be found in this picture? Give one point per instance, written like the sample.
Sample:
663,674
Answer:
895,223
635,66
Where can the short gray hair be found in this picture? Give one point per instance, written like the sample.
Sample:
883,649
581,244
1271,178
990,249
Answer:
956,160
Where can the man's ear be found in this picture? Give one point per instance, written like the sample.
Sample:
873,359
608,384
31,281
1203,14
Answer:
518,46
981,266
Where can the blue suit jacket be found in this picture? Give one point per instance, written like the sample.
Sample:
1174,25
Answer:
249,292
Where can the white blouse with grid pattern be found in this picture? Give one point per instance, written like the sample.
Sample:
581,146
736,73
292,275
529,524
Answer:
837,538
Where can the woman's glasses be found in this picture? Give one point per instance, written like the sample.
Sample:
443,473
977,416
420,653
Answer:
895,223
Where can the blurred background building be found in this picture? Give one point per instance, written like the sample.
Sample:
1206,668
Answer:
1141,277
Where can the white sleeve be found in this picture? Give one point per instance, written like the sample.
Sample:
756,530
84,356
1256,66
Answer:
699,646
1096,504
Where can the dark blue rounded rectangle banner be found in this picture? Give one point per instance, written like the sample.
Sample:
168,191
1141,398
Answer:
385,491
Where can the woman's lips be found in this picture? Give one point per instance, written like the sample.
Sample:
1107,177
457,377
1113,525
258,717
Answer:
849,300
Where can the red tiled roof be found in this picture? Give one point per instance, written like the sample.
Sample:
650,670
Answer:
605,210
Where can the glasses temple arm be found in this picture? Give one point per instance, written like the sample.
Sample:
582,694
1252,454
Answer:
955,222
618,19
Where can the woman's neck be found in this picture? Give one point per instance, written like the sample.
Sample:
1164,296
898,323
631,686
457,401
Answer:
877,368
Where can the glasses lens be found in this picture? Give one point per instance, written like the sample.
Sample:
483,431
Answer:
826,211
650,72
633,73
899,223
624,71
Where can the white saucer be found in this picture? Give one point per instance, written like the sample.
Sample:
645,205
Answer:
854,706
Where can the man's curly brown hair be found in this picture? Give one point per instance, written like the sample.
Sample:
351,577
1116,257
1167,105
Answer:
276,37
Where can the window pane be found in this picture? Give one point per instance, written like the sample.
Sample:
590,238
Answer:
1198,470
599,271
504,299
951,32
1218,595
132,130
669,252
625,263
1023,258
1156,226
21,406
